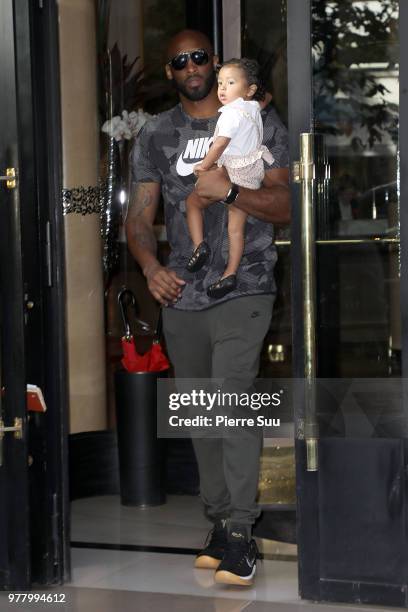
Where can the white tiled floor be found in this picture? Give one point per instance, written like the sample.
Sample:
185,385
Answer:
133,581
172,573
179,523
78,599
110,580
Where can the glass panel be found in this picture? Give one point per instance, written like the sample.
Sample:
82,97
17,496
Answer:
161,20
136,35
355,85
265,40
358,332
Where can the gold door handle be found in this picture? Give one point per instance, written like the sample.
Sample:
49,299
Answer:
10,178
312,168
17,429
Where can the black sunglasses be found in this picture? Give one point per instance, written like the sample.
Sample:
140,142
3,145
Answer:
199,56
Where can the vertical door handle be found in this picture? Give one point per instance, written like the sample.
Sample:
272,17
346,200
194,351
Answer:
311,167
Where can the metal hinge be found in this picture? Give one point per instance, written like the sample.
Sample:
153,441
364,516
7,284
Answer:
10,177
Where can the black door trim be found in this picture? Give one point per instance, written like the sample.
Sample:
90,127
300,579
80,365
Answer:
48,153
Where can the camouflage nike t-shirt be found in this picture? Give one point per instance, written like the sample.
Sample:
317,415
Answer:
165,152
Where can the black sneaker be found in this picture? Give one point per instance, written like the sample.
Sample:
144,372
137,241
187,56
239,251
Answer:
239,563
214,548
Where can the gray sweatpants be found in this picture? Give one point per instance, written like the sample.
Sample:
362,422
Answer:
224,341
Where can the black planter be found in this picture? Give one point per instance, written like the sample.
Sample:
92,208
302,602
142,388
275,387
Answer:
141,453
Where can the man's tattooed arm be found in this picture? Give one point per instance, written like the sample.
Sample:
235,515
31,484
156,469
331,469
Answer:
139,223
164,284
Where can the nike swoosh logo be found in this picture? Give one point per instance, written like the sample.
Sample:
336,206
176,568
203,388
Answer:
183,168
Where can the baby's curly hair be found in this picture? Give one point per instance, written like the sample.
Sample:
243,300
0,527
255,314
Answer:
252,71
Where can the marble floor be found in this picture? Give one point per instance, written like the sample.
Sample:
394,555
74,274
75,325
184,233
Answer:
78,599
121,547
179,523
174,574
142,560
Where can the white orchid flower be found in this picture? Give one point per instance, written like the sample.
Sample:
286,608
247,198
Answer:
126,127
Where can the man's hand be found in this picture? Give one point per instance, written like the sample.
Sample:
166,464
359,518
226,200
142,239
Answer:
164,284
213,185
198,169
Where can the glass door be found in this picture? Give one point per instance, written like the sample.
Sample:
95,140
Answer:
355,67
347,131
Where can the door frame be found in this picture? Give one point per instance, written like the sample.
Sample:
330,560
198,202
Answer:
48,153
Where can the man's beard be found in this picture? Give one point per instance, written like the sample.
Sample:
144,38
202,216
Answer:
198,93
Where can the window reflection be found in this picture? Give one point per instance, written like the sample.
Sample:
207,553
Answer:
355,87
265,40
355,84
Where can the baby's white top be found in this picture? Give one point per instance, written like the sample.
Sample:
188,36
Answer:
232,123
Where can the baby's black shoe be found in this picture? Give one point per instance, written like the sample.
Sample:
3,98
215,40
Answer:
199,257
222,287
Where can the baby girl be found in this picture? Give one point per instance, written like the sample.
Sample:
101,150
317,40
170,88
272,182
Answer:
237,145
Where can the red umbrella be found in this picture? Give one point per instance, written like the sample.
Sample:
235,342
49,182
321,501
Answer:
154,360
132,361
158,360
